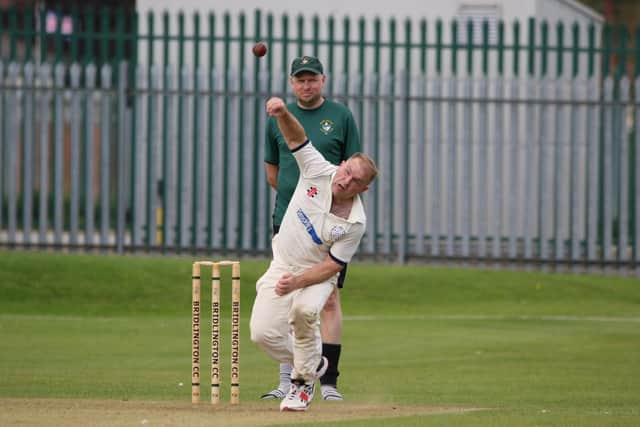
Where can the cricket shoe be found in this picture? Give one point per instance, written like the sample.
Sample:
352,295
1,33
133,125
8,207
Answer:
329,392
300,394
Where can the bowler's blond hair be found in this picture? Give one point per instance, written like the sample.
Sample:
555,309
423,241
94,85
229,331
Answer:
368,163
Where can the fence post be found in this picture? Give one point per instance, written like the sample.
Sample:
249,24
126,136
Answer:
155,215
105,152
405,198
211,130
452,130
28,143
543,149
592,174
421,217
623,175
12,126
257,131
483,146
514,182
467,185
167,159
195,137
606,59
241,166
121,204
375,197
635,200
438,147
180,140
89,141
269,88
528,172
389,185
151,214
558,156
58,159
74,166
621,158
136,131
226,138
574,220
184,175
500,176
44,108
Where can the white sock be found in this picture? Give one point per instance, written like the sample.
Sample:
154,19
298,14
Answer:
285,376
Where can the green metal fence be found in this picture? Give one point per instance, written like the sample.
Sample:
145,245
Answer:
518,147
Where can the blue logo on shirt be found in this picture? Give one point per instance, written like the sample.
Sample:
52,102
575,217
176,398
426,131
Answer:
304,219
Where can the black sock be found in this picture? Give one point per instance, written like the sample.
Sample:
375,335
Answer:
332,353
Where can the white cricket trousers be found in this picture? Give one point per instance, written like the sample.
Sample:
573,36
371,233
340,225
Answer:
287,327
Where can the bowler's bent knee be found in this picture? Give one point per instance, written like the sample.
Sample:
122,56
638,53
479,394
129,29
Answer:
303,318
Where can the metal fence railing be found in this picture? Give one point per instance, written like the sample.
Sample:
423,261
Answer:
513,150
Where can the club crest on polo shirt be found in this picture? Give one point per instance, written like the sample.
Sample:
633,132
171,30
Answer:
337,232
312,192
327,126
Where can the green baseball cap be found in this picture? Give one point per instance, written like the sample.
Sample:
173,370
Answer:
306,63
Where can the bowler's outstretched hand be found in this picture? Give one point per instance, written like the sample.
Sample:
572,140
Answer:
290,127
276,107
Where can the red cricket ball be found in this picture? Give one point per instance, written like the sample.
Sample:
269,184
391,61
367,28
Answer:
259,49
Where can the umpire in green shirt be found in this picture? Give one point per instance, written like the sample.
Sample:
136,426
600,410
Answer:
333,131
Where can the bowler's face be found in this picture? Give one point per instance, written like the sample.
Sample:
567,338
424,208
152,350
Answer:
350,179
307,87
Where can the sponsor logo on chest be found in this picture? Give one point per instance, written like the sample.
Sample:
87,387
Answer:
306,222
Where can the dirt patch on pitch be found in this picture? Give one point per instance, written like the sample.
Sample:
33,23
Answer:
72,413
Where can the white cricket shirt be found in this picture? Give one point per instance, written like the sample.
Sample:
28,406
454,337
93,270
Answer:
308,230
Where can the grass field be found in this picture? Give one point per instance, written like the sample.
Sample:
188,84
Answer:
104,340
